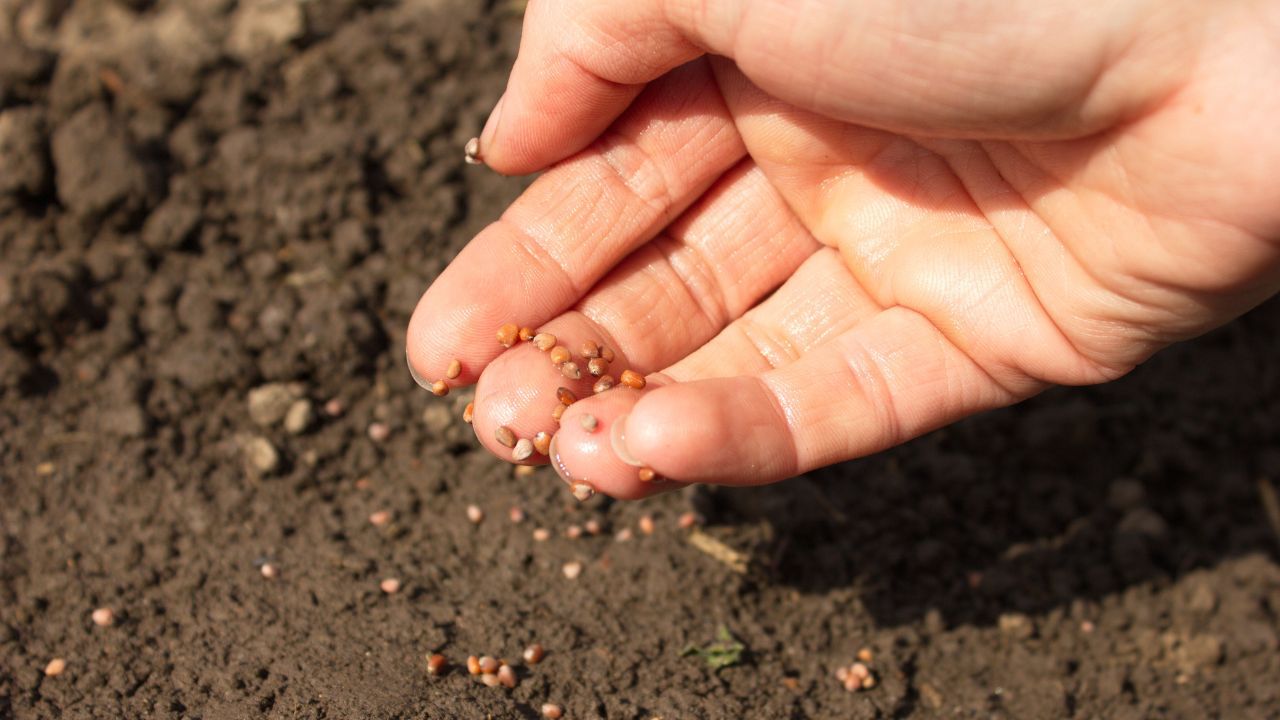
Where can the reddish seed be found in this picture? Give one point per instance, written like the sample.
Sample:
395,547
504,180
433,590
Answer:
560,354
555,414
380,518
104,617
590,350
868,682
604,383
488,665
541,535
533,654
865,655
269,570
516,514
571,371
623,535
523,450
471,152
582,492
544,341
859,671
588,422
527,333
435,664
572,570
469,413
566,396
505,436
507,676
542,443
606,354
334,408
592,526
55,667
646,524
489,680
473,665
646,474
390,586
688,520
439,388
508,334
573,532
597,366
632,379
551,711
475,514
454,369
379,432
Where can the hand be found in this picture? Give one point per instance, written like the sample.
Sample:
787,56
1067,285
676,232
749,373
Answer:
854,222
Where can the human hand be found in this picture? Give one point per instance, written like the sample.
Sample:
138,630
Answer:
856,223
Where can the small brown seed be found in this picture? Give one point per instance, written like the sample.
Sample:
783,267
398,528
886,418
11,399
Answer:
380,518
865,655
508,334
598,366
439,388
490,680
542,443
623,535
473,665
589,350
55,667
588,422
868,682
646,524
507,677
334,408
859,670
523,450
688,520
527,333
582,492
604,383
592,526
505,436
454,369
488,664
269,570
551,711
571,370
524,471
516,515
560,354
632,379
469,413
390,586
541,535
566,396
435,664
471,152
572,570
555,414
379,431
544,341
533,654
606,353
573,532
646,474
104,617
475,514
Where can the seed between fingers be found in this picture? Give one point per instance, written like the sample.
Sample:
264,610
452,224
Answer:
505,436
566,396
440,388
544,341
590,350
598,366
523,450
455,369
542,443
560,354
508,334
571,371
603,384
632,379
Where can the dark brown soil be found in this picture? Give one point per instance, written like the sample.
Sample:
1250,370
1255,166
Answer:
197,200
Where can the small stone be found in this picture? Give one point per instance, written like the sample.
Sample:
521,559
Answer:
379,431
261,455
572,570
299,416
588,422
505,436
475,514
390,586
55,667
632,379
542,443
269,403
104,617
571,370
523,450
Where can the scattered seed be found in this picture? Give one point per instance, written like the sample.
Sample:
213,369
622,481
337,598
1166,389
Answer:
1087,627
590,350
55,667
544,341
488,665
435,664
508,334
507,676
471,152
104,617
379,431
572,570
646,524
439,388
380,518
646,475
597,366
533,654
632,379
45,469
390,586
469,413
524,471
604,383
526,334
473,665
571,370
334,408
624,535
859,670
475,514
566,396
542,443
606,354
454,369
541,535
523,450
555,414
516,514
868,682
842,673
573,532
592,526
588,422
687,520
551,711
505,436
269,570
582,491
865,655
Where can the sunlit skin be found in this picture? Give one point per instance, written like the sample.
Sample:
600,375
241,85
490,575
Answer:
854,222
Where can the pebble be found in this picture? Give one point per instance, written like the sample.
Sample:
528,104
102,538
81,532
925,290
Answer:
523,450
505,436
551,711
55,667
269,403
588,422
475,514
390,586
379,431
261,455
104,617
299,417
572,569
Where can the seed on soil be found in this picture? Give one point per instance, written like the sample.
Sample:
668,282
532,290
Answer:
299,417
516,514
488,665
589,350
334,408
544,341
588,422
507,676
435,664
104,617
469,413
864,655
560,354
533,654
541,535
523,450
1087,627
505,436
597,366
687,520
475,514
473,665
390,586
489,680
55,667
632,379
646,524
646,475
551,711
572,569
606,354
269,570
379,431
868,682
604,383
508,334
859,670
571,370
439,388
471,152
573,532
526,334
592,526
566,396
380,518
624,535
454,369
542,443
555,414
582,491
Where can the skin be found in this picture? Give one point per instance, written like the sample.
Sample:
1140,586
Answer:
823,228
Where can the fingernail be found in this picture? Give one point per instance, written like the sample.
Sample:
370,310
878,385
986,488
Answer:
414,373
580,488
490,133
618,439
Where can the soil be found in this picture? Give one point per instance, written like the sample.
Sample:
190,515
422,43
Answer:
199,198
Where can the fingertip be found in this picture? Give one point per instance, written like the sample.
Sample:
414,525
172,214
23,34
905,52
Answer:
584,451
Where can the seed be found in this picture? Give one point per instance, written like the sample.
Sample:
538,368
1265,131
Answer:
55,667
269,570
572,570
378,431
865,655
555,414
475,514
603,384
588,422
842,673
597,366
508,334
504,436
551,711
454,369
104,617
632,379
524,471
592,526
544,341
435,664
582,491
469,413
868,682
542,443
488,665
507,676
590,350
523,450
473,665
526,334
688,520
624,535
490,680
573,532
560,354
471,152
334,408
390,586
439,388
571,371
859,671
380,518
646,524
566,396
533,654
646,474
516,514
606,353
1087,627
541,535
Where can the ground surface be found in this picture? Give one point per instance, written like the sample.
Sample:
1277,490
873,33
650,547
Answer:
197,200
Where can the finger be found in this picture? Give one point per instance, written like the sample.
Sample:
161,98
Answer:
574,224
954,67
